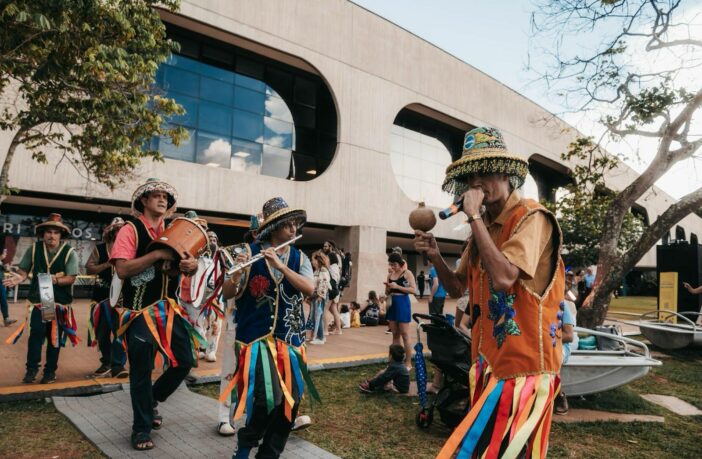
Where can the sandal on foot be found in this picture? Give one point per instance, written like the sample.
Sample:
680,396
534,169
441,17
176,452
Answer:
157,421
141,441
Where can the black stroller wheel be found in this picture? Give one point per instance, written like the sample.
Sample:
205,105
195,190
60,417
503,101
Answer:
424,418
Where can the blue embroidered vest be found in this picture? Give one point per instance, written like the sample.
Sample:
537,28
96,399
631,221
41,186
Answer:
268,307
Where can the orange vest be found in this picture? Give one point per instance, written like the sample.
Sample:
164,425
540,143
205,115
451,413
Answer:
518,332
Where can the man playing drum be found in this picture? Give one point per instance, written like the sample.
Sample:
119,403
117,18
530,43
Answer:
513,270
270,331
150,310
51,255
103,317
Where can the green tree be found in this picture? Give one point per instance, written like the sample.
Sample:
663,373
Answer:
636,70
76,76
582,208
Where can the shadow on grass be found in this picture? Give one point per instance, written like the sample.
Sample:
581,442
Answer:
31,429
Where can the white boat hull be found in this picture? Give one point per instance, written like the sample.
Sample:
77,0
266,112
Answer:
589,372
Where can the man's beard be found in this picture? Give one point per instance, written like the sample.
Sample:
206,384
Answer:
212,247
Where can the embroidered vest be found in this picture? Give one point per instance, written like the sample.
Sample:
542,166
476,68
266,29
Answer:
42,264
150,285
101,289
267,306
518,332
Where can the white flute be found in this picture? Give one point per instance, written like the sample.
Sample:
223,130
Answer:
259,256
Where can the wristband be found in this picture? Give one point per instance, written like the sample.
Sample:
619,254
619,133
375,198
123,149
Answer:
474,217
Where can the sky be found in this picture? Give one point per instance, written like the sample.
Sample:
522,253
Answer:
495,37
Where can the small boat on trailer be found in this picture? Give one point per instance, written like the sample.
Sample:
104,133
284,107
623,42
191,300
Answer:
669,329
590,372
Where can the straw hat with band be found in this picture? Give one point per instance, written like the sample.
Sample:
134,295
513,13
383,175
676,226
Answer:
484,153
276,213
54,221
150,186
110,231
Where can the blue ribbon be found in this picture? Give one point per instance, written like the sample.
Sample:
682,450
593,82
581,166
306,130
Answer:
252,381
480,422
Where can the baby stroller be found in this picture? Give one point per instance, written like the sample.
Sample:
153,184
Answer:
450,352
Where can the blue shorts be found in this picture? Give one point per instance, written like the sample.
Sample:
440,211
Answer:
400,310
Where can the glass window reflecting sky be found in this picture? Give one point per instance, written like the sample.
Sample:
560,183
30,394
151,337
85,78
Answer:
234,121
419,162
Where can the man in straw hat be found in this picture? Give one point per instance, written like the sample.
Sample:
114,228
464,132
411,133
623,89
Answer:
102,327
270,332
200,294
54,256
150,311
513,269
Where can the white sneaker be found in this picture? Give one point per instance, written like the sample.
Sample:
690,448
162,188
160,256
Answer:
317,341
301,423
200,355
225,429
211,357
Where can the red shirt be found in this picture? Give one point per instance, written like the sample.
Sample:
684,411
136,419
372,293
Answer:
125,246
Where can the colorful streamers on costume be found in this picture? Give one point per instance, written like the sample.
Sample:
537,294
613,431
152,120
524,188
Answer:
160,318
507,416
290,364
99,311
65,321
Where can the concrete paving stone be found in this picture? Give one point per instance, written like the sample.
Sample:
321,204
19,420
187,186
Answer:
582,415
673,404
104,421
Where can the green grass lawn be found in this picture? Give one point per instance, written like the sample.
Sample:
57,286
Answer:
354,425
33,429
634,304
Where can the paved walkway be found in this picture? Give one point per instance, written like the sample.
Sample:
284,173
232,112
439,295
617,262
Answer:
77,363
189,421
674,404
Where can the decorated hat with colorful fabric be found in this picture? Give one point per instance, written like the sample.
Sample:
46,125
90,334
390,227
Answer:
54,221
484,153
110,230
151,185
192,215
276,212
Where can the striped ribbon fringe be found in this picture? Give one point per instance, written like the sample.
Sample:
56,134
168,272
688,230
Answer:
65,321
160,318
513,414
289,363
212,305
99,311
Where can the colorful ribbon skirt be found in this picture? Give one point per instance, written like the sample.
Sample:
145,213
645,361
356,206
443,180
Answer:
508,417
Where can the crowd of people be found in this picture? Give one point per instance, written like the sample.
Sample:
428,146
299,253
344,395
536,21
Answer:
174,307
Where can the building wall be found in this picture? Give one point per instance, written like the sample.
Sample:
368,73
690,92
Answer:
373,69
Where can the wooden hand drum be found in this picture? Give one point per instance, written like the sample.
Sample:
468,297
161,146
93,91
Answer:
182,235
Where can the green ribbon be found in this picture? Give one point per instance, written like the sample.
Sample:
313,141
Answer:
308,379
265,361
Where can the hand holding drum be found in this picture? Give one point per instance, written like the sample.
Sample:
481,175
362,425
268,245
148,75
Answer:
423,219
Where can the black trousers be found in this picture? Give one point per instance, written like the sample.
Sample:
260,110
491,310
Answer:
436,305
273,428
141,349
111,350
38,332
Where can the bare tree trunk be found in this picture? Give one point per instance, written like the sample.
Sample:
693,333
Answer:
5,173
616,267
